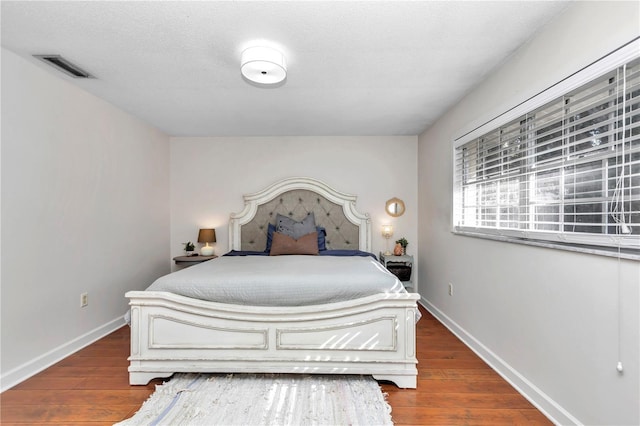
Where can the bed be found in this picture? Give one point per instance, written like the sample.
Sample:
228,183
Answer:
369,333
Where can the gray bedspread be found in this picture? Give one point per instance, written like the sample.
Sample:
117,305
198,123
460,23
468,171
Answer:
281,280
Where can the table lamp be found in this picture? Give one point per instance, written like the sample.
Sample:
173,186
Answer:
387,232
207,236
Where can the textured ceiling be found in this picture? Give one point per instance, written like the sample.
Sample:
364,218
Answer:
354,68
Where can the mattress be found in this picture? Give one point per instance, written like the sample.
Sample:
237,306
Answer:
281,280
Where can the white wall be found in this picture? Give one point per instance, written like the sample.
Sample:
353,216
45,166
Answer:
547,319
210,175
85,208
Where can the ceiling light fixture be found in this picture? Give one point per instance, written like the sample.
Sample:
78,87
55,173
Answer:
263,65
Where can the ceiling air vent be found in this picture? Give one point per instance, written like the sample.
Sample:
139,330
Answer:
64,65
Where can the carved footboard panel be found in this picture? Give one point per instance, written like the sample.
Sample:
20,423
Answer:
373,335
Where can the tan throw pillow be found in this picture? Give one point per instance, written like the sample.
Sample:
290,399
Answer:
284,244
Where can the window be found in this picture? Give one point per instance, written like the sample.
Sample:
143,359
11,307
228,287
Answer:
563,166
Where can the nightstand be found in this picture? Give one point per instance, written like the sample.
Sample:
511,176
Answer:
191,260
400,266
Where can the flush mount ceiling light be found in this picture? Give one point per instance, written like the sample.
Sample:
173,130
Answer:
263,65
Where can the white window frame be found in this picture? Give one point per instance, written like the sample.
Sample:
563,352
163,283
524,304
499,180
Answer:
597,244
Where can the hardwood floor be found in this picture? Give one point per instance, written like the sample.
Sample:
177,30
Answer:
455,387
91,387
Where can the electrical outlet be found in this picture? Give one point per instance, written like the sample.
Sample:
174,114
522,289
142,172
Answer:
450,289
84,299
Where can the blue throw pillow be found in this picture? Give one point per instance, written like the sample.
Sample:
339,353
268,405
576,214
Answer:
322,234
270,230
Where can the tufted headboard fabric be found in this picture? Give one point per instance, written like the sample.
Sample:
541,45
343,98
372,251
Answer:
296,197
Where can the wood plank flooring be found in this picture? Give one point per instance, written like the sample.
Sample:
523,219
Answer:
91,387
455,387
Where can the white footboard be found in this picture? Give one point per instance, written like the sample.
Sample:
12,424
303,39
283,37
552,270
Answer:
373,335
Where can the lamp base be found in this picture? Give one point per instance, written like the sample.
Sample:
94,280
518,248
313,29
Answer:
387,253
206,251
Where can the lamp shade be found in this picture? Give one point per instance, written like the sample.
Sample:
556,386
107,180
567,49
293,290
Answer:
207,236
263,65
387,231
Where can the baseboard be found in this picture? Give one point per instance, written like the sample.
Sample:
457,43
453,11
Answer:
36,365
533,394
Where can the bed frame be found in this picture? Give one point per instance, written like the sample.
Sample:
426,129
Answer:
374,335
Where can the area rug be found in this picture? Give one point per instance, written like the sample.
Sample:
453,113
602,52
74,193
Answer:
264,399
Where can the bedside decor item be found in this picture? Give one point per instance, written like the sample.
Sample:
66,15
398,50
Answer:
207,236
189,247
400,266
403,244
387,232
402,270
397,250
394,207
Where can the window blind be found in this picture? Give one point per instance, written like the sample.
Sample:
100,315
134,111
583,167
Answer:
566,171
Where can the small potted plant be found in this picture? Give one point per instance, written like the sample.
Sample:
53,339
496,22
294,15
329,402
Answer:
403,244
189,247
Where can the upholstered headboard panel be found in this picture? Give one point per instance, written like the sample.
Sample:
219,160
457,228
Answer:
297,197
341,234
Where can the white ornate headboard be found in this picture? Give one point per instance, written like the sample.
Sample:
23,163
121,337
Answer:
296,197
